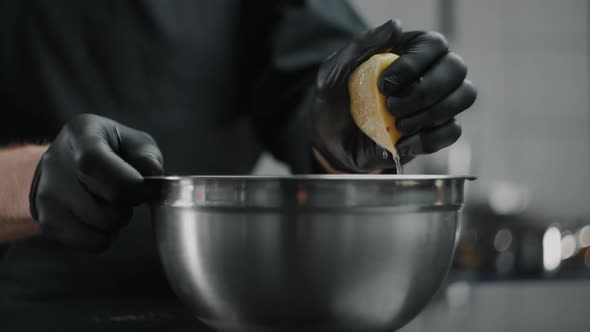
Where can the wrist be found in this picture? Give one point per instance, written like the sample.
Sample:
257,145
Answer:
324,164
18,164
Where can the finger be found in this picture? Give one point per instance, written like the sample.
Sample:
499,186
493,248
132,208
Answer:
430,140
99,215
336,69
417,51
439,81
140,150
379,40
104,173
458,101
60,224
88,209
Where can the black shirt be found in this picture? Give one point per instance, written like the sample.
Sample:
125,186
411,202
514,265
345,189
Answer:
214,82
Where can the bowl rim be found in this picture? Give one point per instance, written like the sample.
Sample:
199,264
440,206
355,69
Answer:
308,191
314,177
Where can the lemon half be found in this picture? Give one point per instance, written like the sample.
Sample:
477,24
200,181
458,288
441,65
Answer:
367,104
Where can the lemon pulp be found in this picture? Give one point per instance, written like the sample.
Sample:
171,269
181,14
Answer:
367,104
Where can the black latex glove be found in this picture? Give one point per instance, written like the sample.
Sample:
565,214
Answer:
88,181
426,89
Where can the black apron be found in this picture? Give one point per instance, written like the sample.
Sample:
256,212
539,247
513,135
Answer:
214,82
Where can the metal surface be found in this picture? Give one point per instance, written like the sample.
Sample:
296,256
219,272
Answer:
308,253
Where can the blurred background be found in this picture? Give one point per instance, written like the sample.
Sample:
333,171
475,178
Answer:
523,257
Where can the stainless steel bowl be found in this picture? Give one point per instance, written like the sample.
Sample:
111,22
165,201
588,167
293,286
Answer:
306,253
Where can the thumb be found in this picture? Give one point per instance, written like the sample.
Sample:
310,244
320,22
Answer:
379,40
140,150
113,166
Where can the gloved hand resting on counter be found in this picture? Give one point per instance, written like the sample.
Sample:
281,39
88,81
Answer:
425,90
88,181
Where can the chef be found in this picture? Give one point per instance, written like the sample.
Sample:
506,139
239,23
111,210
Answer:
95,95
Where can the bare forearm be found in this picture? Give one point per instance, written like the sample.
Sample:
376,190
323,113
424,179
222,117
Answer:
17,166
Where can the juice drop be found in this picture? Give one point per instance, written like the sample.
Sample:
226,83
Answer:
398,164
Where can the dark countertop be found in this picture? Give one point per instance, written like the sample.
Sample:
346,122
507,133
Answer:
462,306
121,314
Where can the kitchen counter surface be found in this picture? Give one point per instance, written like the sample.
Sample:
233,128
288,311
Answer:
127,315
535,306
